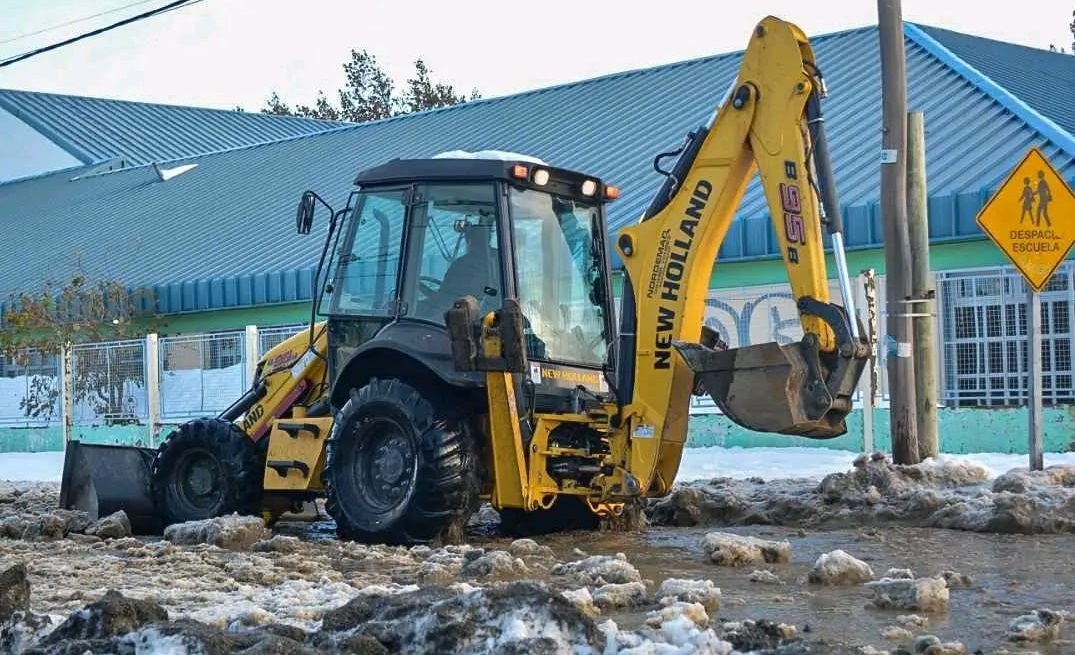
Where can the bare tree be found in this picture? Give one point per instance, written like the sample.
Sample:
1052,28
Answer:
79,310
369,94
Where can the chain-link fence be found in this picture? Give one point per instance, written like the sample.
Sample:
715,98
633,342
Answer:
984,336
108,383
30,389
200,375
269,338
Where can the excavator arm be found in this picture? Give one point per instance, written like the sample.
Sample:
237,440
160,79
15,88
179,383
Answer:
770,124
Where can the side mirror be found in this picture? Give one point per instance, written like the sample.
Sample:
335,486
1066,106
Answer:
304,216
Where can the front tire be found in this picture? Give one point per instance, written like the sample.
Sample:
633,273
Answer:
398,470
206,468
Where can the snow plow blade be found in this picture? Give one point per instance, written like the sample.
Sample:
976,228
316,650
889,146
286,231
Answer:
101,479
777,389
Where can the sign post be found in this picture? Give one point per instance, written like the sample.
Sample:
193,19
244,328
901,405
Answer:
1031,218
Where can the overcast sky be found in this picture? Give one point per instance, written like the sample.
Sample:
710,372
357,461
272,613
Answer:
222,53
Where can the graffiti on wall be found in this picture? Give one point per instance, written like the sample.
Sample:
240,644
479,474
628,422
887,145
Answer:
744,318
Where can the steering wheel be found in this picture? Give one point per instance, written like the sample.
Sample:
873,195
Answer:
424,282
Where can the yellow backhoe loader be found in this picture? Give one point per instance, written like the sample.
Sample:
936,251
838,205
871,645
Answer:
463,345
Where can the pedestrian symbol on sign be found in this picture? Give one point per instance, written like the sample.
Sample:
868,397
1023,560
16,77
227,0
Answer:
1043,197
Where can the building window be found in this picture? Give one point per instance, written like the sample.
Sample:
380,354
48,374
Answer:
984,347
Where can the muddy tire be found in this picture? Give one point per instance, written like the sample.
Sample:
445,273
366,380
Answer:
399,469
569,513
206,468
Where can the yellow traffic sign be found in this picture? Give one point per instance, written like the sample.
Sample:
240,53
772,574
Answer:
1032,219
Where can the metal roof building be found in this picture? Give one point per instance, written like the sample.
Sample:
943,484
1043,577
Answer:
221,235
118,133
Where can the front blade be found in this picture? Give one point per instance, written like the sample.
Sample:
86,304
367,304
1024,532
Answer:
768,388
101,479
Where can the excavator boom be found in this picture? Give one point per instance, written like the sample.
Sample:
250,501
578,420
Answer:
771,124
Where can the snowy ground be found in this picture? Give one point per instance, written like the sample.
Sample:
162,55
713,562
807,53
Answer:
832,553
698,463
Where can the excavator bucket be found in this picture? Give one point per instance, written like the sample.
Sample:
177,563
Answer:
774,388
101,479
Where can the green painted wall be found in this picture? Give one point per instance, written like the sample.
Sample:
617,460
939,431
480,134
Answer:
235,319
46,439
943,257
962,430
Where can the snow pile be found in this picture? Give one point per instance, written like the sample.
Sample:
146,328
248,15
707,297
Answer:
727,549
946,493
765,576
65,523
519,616
599,570
27,497
932,645
514,616
916,594
232,532
684,628
620,595
840,568
677,629
703,592
14,592
1040,625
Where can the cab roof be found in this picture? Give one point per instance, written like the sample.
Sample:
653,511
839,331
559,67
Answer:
462,166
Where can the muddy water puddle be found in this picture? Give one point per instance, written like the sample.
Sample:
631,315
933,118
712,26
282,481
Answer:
1011,575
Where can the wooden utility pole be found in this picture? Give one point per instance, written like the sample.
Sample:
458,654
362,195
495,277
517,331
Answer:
902,421
925,345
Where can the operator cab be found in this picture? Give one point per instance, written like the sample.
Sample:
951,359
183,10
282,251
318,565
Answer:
419,234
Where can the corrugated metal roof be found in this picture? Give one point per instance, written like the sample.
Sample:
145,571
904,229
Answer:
1044,80
95,129
222,235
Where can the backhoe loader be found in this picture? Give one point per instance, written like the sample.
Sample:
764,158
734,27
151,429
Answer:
463,346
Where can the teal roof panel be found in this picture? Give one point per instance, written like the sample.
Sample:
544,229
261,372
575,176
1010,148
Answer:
1044,80
95,129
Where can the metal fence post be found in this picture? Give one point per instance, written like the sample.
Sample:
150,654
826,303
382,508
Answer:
869,397
67,386
253,351
153,387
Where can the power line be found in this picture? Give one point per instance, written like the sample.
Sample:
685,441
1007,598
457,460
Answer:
178,4
72,22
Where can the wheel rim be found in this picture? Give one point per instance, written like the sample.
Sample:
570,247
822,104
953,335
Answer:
385,466
196,483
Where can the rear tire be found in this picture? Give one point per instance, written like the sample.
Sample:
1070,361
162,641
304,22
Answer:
399,470
206,468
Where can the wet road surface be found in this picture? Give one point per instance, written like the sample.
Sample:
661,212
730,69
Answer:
1011,575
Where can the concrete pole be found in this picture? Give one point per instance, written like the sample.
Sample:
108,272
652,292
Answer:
902,405
1034,406
925,344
